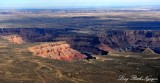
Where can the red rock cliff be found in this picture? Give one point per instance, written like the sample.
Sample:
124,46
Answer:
57,50
14,39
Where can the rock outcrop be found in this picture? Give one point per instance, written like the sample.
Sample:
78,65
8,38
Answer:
14,39
105,47
57,50
120,40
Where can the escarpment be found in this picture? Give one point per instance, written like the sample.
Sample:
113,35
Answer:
57,50
129,40
121,40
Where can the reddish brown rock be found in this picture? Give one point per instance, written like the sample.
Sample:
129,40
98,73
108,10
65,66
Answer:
105,47
14,39
57,50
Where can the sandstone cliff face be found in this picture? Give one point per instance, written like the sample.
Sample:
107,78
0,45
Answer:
57,50
14,39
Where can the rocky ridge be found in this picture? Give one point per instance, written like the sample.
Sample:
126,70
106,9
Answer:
57,50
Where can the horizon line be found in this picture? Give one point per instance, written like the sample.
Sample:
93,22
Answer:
82,7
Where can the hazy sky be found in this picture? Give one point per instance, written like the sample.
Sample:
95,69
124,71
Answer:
69,3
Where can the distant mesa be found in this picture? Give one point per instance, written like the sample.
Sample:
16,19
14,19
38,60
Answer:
57,50
14,39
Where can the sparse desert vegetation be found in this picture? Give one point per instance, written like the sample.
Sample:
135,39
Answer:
115,43
96,19
17,64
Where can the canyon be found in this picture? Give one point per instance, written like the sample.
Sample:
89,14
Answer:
96,43
79,45
21,63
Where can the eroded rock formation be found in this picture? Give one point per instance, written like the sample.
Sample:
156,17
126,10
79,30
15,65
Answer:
120,40
128,40
105,47
57,50
14,39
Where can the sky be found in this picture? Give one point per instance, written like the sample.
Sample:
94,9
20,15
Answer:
73,3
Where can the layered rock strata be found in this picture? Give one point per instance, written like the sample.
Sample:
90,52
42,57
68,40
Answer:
57,50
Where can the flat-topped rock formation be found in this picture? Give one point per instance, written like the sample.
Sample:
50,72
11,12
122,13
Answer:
57,50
